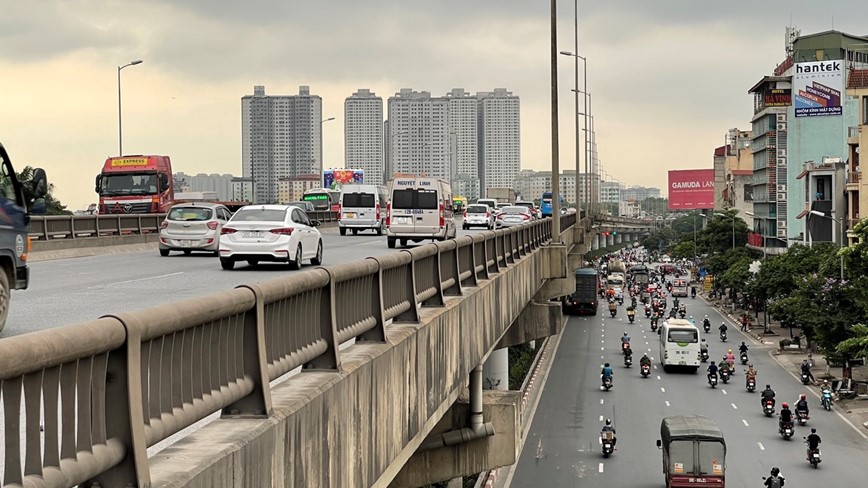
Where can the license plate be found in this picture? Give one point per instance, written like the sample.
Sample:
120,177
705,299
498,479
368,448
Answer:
252,235
186,243
682,363
403,220
350,215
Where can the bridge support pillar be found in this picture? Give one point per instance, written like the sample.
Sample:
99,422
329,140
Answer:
610,240
619,238
502,409
495,372
595,242
538,320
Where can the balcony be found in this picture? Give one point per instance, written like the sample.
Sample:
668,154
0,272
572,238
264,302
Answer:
853,134
853,179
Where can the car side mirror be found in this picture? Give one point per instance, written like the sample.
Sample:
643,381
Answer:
659,444
39,183
38,206
97,183
315,223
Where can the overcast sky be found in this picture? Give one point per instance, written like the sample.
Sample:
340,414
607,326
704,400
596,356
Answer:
668,77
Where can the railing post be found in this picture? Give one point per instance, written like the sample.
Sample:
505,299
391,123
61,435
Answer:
436,300
258,403
378,332
447,255
329,360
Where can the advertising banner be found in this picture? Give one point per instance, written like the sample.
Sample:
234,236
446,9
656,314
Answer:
777,97
691,189
817,87
334,179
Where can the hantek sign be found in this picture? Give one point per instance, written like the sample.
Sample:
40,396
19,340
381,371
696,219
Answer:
818,86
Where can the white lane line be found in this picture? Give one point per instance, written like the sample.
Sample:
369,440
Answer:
601,418
760,444
601,401
601,467
137,280
646,343
603,341
667,403
602,357
602,349
745,423
734,407
655,366
658,376
723,391
663,389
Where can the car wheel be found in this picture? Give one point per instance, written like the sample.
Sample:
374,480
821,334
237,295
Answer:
227,263
403,242
164,252
317,260
296,264
187,252
464,227
355,232
390,241
343,231
380,230
4,298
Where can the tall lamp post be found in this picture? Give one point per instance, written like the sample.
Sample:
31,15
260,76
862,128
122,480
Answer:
765,302
731,217
840,222
556,173
120,130
321,162
576,91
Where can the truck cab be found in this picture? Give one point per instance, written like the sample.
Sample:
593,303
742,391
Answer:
17,201
135,184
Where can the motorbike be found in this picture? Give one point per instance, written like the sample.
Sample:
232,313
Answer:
620,300
707,326
631,317
826,399
769,408
682,313
722,335
645,371
751,385
628,360
625,346
704,356
724,376
786,430
608,445
607,382
693,294
647,311
743,358
805,378
613,311
802,417
712,380
653,325
813,455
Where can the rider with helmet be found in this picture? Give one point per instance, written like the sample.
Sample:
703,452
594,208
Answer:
775,480
802,404
786,416
609,428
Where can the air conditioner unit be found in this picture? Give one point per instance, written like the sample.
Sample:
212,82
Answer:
782,153
782,126
782,232
782,117
782,187
782,161
782,197
782,224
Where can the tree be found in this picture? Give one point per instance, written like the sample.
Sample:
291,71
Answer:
661,238
687,224
737,275
857,345
52,204
718,233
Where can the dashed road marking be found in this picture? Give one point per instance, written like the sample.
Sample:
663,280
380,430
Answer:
658,376
667,403
663,389
734,406
745,423
723,391
601,401
601,467
601,418
760,444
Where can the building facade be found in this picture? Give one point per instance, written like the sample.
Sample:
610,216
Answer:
463,142
500,138
639,193
857,139
610,191
418,134
220,184
363,135
532,184
281,136
292,189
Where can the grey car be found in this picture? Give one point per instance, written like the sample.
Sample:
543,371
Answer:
192,227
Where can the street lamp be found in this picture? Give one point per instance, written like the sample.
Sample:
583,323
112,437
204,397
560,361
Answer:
839,222
574,54
120,131
732,217
766,302
321,162
556,205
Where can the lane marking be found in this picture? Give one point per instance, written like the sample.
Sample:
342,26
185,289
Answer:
734,407
601,418
602,349
667,403
658,376
745,423
760,444
663,389
723,391
137,280
601,401
601,467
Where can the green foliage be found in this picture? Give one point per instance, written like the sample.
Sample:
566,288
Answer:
684,250
52,204
520,360
778,275
737,275
717,236
662,237
857,345
685,225
718,263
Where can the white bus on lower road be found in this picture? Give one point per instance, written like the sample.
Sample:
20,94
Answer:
679,345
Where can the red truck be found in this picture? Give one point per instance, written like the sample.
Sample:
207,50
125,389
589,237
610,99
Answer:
135,184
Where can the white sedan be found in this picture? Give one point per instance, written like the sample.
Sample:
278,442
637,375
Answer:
514,215
276,233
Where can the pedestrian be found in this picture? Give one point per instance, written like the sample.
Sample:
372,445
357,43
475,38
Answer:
744,322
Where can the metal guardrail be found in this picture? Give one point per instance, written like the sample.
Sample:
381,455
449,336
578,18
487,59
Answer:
88,226
110,388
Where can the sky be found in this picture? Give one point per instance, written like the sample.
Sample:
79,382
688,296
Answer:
668,77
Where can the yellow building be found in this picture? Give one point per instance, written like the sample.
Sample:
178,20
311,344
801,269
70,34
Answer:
292,189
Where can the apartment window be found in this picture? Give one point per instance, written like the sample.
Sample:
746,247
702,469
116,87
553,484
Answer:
865,110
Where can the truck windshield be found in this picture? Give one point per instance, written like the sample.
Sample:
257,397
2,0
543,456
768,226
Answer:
128,184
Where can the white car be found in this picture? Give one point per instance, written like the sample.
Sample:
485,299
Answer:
478,215
276,233
514,215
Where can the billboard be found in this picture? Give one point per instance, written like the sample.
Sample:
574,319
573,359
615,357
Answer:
777,97
691,189
337,178
817,87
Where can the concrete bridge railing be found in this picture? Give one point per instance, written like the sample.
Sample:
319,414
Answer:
96,395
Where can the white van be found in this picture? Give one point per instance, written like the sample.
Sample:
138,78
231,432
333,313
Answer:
419,208
488,201
362,208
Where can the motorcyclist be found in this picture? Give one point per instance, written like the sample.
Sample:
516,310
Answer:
722,328
723,366
628,352
806,369
703,346
607,372
706,322
750,374
625,338
802,404
813,442
775,480
742,348
645,360
767,394
609,428
786,416
730,359
712,371
675,302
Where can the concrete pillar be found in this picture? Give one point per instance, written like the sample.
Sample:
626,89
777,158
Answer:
618,238
495,371
595,242
610,240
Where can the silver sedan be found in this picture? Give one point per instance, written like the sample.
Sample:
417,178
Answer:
514,215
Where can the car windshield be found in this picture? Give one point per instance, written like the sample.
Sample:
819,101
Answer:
260,215
301,205
188,214
524,204
480,209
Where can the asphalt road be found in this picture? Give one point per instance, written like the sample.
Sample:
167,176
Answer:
74,290
562,447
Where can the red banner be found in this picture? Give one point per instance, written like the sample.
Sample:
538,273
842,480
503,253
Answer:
691,189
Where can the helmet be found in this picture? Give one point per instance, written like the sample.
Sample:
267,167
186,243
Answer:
775,471
769,387
742,343
785,405
607,365
691,317
608,421
813,430
729,350
706,316
802,396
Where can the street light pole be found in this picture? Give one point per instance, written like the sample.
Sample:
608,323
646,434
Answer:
120,129
321,162
731,217
556,204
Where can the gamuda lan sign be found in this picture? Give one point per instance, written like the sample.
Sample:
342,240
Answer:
691,189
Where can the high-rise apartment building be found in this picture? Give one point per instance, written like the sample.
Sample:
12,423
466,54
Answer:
418,134
499,138
220,184
363,134
463,141
281,136
610,191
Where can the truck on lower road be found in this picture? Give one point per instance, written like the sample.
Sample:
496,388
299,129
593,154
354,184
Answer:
18,200
502,195
586,297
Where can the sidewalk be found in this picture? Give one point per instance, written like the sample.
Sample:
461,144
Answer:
855,410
